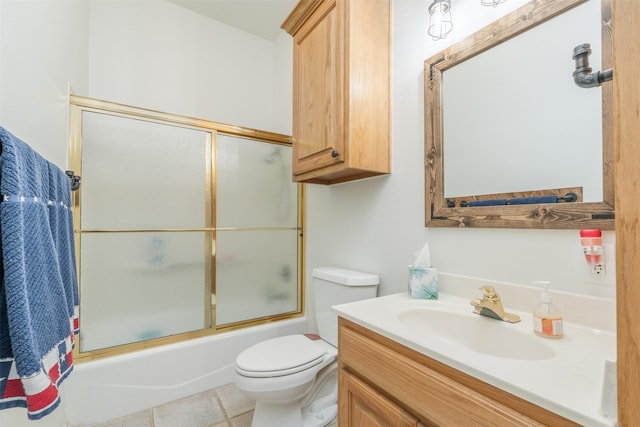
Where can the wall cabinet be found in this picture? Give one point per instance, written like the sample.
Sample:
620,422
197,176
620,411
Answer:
385,383
341,89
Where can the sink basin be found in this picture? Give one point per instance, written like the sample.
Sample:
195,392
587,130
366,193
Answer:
475,332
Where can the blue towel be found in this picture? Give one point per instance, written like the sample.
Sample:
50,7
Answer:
39,293
489,202
533,200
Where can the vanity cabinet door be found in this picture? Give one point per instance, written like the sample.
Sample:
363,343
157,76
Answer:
362,406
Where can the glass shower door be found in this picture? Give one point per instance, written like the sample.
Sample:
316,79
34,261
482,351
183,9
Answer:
184,227
256,231
146,230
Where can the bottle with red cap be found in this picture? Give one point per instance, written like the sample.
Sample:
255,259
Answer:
591,241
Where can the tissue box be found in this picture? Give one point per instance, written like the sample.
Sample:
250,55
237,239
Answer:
423,282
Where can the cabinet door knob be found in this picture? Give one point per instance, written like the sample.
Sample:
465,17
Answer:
335,154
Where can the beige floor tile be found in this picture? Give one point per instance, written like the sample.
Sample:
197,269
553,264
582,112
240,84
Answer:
200,410
139,419
234,401
243,420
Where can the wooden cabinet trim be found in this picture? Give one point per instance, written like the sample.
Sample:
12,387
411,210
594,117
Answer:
626,88
303,10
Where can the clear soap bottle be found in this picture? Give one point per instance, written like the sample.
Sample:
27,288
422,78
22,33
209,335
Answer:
547,320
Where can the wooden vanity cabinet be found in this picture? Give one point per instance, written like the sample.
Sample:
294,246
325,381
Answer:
341,89
369,408
383,383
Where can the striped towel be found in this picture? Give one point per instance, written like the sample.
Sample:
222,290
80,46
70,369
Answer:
38,292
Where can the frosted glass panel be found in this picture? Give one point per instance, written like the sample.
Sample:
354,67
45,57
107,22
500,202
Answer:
138,286
149,236
256,274
143,175
253,184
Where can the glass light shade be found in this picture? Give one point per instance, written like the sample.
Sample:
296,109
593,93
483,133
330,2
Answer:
440,23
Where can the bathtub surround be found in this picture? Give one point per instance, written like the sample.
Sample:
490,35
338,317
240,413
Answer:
39,292
107,389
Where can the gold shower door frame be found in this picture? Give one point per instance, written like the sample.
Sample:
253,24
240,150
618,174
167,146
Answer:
78,105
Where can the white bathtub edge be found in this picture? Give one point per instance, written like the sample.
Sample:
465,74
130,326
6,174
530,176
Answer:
111,388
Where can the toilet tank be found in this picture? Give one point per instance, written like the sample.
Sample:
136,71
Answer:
332,286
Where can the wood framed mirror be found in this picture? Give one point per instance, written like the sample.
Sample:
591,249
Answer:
480,123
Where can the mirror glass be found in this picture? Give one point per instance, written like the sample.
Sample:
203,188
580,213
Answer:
504,119
525,120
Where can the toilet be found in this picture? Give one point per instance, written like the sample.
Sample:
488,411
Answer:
294,378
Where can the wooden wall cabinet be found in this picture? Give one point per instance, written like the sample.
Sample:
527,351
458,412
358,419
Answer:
341,89
383,383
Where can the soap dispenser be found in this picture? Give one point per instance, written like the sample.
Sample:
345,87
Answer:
547,320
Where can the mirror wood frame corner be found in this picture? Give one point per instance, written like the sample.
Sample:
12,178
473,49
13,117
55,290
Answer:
438,213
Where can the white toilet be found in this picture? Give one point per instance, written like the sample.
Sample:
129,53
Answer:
294,378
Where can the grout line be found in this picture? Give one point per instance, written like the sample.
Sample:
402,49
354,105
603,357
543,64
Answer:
150,411
224,410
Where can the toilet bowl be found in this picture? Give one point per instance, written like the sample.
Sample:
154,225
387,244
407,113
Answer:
294,378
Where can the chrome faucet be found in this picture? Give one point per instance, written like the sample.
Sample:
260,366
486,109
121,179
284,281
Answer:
491,306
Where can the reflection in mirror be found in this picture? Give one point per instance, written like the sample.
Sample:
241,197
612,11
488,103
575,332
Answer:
524,116
505,121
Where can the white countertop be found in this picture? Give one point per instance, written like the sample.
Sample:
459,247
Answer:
569,384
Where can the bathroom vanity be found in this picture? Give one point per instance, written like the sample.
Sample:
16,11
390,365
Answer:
390,384
408,362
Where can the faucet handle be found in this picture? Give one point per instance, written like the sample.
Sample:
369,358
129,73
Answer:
489,292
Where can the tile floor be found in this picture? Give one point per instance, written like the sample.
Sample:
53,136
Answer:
225,406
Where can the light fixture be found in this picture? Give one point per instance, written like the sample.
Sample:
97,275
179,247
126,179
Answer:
440,23
493,3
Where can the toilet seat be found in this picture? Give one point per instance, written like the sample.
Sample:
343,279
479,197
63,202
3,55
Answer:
280,356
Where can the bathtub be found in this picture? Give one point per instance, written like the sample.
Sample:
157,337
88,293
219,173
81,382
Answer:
107,389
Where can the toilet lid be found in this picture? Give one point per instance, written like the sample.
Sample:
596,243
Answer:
279,356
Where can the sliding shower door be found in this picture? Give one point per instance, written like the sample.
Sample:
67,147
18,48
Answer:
184,227
146,221
256,231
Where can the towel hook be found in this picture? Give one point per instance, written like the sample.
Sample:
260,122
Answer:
75,180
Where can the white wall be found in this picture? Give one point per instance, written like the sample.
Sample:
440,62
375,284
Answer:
376,225
150,54
283,88
43,49
157,55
